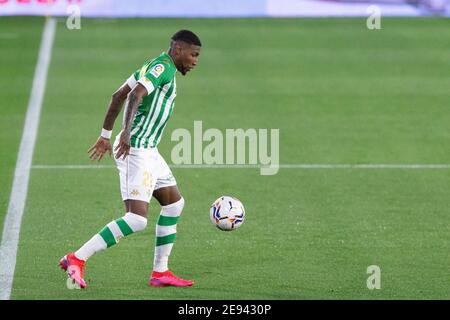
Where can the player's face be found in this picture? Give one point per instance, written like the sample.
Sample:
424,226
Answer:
189,58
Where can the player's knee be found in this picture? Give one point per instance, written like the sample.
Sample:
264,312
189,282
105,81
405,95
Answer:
181,203
174,208
135,221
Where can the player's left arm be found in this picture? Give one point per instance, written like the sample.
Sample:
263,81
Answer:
134,99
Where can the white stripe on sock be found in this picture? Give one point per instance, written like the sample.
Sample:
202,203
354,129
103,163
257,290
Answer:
173,209
135,221
161,261
162,231
115,230
94,245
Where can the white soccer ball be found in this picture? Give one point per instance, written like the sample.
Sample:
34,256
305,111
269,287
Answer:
227,213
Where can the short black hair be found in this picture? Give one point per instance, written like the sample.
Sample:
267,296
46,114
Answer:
187,36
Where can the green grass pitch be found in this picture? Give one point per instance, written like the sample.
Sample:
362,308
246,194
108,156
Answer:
338,92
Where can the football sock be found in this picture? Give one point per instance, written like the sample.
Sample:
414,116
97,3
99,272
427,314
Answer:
111,234
166,231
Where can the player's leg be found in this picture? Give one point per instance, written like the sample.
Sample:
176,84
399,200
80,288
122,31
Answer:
136,187
136,206
134,220
130,223
172,203
167,195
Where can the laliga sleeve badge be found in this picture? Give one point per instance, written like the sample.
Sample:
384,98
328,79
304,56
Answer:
157,70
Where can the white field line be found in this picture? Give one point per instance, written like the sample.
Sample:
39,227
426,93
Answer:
281,166
17,200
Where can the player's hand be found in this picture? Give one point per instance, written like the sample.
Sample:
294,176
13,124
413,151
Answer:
100,147
123,148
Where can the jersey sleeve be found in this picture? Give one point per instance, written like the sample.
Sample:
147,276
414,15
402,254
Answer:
132,80
157,75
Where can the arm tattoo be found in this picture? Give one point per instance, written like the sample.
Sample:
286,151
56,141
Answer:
130,110
114,109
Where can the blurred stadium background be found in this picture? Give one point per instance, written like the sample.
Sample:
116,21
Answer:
339,93
219,8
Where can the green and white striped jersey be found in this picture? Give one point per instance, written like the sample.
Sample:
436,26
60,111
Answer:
158,77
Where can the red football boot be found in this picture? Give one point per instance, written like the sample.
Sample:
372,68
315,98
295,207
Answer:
167,278
74,268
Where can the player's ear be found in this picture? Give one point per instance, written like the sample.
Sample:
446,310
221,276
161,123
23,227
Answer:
178,48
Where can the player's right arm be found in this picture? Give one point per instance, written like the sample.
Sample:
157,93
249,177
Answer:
103,143
134,99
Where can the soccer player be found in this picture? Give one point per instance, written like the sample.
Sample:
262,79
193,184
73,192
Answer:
149,95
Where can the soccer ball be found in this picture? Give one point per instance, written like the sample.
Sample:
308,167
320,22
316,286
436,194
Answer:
227,213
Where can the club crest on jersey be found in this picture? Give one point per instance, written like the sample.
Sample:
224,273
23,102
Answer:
157,70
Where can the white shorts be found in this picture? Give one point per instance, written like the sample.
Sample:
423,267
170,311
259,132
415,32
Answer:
142,172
